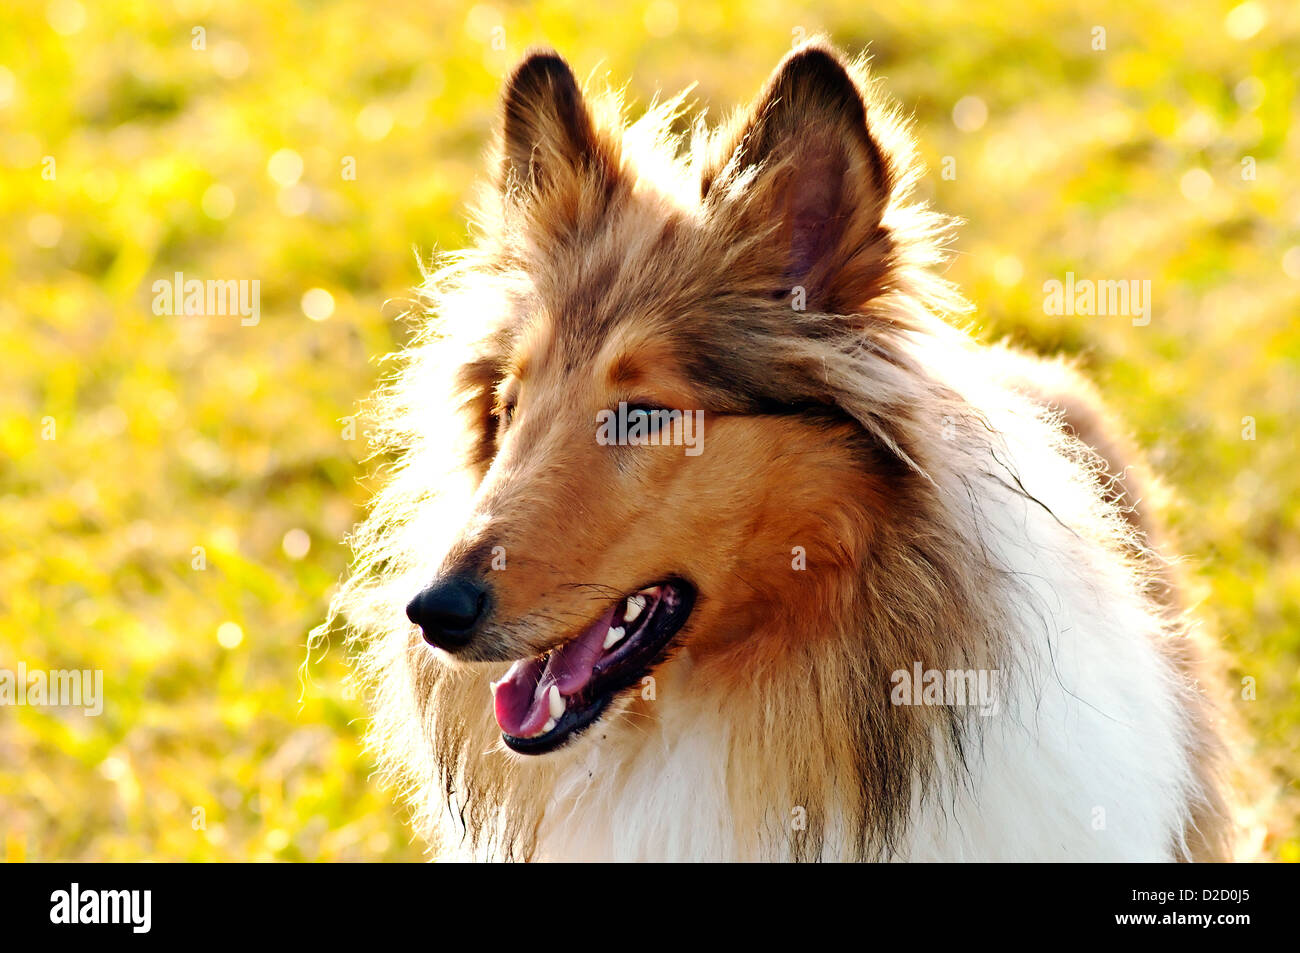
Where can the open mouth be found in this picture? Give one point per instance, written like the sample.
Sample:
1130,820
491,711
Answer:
542,702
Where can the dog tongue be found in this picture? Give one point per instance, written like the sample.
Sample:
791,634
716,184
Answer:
522,697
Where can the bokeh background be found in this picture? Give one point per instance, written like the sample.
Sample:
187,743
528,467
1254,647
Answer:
182,529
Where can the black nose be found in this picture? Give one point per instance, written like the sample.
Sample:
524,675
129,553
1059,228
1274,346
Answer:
448,611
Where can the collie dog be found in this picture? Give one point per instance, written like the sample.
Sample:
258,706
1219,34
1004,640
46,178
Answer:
705,535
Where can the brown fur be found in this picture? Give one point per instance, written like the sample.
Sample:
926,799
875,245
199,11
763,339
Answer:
602,277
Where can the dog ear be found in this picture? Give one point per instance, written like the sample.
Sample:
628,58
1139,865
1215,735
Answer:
548,135
820,181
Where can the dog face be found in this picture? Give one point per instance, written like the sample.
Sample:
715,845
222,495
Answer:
658,464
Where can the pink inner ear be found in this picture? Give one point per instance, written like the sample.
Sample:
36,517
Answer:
814,211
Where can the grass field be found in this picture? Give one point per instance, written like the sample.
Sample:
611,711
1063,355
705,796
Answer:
174,489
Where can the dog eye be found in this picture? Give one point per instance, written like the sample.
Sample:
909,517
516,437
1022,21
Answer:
506,415
646,413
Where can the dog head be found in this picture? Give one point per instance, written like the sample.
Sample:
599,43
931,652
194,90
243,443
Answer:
660,446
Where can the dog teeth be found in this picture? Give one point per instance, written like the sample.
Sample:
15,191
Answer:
557,704
550,723
633,607
614,636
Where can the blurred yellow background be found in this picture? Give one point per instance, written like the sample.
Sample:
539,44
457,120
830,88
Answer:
174,489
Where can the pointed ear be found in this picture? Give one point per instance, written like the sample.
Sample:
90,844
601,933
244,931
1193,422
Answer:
548,135
820,180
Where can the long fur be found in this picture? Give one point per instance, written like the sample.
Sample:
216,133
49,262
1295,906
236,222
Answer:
959,506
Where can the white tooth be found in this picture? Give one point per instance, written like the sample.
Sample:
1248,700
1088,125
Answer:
614,635
633,608
557,702
550,723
